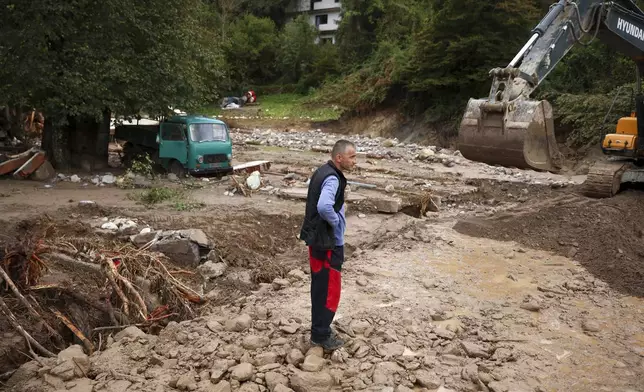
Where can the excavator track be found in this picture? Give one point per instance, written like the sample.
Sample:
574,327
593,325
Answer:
604,179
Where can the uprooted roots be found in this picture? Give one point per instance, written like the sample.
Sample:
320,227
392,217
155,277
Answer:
105,286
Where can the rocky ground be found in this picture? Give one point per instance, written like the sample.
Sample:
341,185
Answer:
512,282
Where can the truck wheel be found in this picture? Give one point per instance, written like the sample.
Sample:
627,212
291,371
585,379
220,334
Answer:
177,169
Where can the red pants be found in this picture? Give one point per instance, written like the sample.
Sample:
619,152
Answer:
326,284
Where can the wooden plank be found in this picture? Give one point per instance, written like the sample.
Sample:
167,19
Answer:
11,165
252,166
30,166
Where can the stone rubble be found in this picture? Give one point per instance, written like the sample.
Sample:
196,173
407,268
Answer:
101,180
379,148
243,347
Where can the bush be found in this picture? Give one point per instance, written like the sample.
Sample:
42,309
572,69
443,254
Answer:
370,85
588,114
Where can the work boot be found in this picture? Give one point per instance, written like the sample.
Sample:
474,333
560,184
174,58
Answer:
331,343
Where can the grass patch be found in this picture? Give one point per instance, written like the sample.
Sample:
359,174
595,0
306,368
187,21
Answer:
158,195
177,198
188,205
278,106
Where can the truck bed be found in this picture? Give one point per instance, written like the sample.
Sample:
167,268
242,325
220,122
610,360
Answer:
143,135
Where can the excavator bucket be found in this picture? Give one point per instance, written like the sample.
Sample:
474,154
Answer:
518,134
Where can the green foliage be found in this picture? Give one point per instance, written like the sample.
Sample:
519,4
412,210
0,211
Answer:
290,105
297,49
456,49
596,68
188,206
84,57
325,64
159,195
251,50
274,9
366,24
142,165
427,55
370,85
592,115
80,57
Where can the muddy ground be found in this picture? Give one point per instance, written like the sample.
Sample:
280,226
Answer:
517,283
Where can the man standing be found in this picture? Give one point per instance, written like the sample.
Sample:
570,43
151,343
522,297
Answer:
323,232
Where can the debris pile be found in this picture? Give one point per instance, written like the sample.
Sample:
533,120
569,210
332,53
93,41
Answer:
129,180
316,140
120,225
30,164
383,148
7,141
246,346
60,288
245,183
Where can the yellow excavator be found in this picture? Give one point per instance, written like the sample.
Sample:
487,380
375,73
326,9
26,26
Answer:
510,129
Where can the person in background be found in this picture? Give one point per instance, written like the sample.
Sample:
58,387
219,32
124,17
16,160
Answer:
323,232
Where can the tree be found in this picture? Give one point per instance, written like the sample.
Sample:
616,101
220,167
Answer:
276,10
80,61
251,50
367,23
463,39
298,49
225,10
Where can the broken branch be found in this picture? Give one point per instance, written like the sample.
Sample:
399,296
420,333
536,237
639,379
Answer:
139,300
59,339
111,276
189,293
16,325
88,345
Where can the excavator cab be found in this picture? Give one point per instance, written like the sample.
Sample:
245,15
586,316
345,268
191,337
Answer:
624,141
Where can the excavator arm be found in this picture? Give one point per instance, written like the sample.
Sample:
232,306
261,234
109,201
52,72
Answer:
508,128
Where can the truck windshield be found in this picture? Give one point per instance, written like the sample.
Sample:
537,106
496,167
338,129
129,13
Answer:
207,132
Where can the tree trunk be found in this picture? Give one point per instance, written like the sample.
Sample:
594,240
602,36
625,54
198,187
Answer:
103,141
17,125
55,142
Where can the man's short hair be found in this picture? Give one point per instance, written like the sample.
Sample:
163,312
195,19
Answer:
341,146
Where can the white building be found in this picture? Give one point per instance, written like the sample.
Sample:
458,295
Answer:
323,14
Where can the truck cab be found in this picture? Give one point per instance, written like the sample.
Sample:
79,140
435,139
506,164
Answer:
194,144
180,144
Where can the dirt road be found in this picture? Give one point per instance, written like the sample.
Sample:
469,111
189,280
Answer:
517,283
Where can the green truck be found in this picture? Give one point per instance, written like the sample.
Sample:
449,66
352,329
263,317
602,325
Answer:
181,145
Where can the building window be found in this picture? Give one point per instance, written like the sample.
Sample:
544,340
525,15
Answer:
321,20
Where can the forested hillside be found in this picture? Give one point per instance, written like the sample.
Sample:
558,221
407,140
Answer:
83,60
